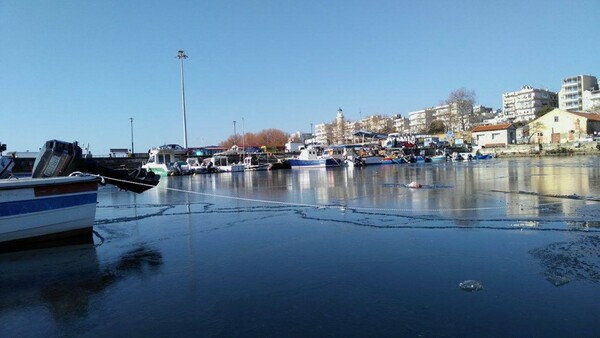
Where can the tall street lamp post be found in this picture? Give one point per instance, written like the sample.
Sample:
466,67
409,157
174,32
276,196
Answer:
181,56
131,122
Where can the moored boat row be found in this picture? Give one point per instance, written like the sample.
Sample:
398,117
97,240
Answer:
164,161
361,155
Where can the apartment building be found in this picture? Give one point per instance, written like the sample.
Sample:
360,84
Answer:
571,92
401,124
449,115
420,120
323,133
481,114
524,104
454,116
591,100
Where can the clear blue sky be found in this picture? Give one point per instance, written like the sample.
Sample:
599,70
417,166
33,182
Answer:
78,70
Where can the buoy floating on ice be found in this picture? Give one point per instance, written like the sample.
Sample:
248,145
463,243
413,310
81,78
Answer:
414,185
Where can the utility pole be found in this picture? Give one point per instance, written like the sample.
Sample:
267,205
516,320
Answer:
132,150
234,134
243,137
181,56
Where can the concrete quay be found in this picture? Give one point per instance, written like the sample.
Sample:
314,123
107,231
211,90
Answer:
546,149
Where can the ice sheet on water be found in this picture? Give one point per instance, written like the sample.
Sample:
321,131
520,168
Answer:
590,211
572,260
471,285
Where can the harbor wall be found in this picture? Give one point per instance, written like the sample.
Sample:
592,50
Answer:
546,149
129,163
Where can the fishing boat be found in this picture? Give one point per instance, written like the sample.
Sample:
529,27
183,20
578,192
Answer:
483,156
393,160
456,157
310,158
422,159
254,162
363,155
225,163
58,200
35,209
438,158
164,161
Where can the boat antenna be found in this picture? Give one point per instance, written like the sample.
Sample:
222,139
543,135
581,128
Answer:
234,133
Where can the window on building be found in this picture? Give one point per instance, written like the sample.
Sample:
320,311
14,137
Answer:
555,118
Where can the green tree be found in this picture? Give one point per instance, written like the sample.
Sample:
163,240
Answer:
544,111
436,127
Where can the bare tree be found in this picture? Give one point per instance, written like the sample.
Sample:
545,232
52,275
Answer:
460,109
231,141
267,137
535,128
272,137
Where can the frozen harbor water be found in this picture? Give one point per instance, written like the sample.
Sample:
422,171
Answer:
344,252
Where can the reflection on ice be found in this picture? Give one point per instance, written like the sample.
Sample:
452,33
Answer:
65,279
526,193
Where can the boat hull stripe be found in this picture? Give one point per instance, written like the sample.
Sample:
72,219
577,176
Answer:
44,204
51,190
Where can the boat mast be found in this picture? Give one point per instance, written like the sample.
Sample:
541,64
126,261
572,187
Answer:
234,134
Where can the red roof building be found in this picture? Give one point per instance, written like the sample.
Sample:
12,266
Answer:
499,135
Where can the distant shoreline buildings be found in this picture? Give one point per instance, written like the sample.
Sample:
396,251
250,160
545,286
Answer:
577,94
524,105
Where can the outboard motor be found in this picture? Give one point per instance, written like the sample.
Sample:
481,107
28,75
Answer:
6,165
56,158
59,158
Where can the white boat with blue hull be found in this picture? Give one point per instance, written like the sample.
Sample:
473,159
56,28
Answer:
310,158
58,201
46,208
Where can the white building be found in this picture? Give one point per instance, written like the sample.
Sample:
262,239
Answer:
571,92
442,113
523,105
454,117
420,120
499,135
401,124
449,115
323,133
481,114
591,100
